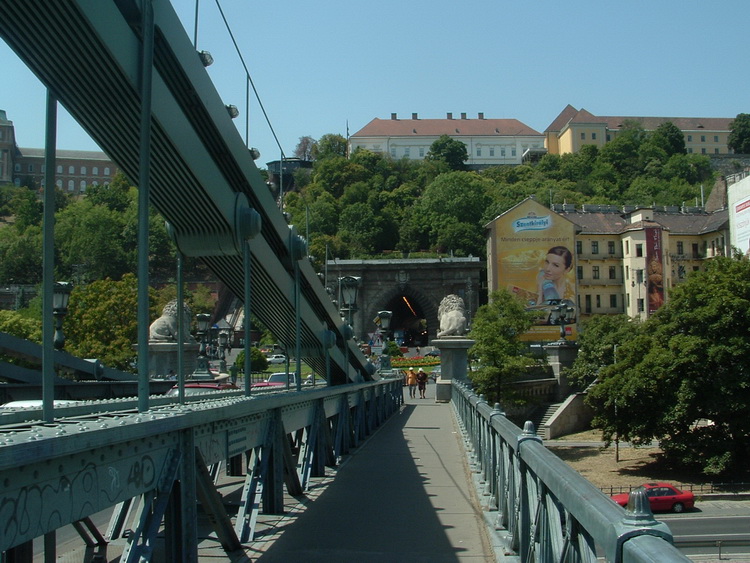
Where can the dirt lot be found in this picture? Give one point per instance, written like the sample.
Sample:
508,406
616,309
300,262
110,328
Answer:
636,465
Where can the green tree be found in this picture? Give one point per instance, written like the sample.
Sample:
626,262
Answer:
454,206
739,134
598,340
328,146
258,361
450,151
496,330
102,321
305,148
669,138
688,364
21,255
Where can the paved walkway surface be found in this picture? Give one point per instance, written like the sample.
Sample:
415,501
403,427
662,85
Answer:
402,496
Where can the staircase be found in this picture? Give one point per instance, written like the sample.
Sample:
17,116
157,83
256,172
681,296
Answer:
541,415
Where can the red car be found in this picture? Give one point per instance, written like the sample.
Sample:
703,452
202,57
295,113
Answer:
662,497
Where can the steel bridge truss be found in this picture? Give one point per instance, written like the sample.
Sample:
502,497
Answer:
152,467
543,510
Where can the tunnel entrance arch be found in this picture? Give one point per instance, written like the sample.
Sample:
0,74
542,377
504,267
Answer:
412,289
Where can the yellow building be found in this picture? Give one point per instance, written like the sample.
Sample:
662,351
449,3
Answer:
626,259
574,128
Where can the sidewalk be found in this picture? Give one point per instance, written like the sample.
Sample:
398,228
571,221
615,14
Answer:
402,496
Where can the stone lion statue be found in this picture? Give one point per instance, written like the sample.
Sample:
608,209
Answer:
452,316
164,329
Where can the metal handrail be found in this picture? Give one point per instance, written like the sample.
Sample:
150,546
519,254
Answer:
542,509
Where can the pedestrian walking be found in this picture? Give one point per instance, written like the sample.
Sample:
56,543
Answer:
411,381
422,383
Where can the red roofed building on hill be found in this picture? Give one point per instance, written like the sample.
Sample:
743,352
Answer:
574,128
489,142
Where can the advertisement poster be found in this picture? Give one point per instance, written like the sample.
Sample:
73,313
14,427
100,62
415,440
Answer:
535,253
654,269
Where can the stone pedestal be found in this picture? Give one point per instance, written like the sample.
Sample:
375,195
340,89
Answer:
561,354
162,357
454,363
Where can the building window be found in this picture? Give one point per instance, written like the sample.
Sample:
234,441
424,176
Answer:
716,138
716,151
579,272
71,169
690,138
59,169
639,250
583,136
492,151
83,170
479,151
31,168
611,246
17,167
595,272
421,152
593,136
703,138
502,153
627,272
594,247
640,305
579,247
407,152
598,301
71,185
703,151
627,247
639,276
680,247
82,186
612,272
613,301
393,153
513,152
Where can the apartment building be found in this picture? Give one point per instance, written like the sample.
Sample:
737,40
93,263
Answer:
75,170
573,128
624,259
489,142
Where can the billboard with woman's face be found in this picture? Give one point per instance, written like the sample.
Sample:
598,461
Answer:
532,251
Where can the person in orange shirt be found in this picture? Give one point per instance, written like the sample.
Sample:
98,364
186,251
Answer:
411,381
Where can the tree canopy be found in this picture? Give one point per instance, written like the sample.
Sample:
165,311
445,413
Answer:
450,151
739,135
496,330
681,377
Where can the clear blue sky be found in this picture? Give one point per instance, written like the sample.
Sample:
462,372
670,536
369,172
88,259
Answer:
319,65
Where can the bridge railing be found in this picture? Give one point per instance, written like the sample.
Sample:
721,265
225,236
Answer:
540,507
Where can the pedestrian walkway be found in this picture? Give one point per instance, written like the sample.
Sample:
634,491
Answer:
402,496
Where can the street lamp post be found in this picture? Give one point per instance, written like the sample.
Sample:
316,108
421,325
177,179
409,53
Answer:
385,323
348,287
201,369
223,341
60,299
560,316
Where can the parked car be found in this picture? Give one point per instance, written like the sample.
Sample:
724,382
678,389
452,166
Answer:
662,497
276,380
434,352
196,387
276,359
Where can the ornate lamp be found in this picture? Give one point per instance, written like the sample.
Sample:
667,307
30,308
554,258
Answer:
202,321
60,299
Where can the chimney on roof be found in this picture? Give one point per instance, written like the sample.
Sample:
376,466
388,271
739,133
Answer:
463,115
480,115
393,116
414,116
450,115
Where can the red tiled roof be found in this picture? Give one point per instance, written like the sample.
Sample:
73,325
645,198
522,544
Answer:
452,127
571,115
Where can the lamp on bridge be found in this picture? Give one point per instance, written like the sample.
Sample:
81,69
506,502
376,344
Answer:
201,369
60,299
223,341
385,322
348,288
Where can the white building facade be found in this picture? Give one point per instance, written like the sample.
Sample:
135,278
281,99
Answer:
489,142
